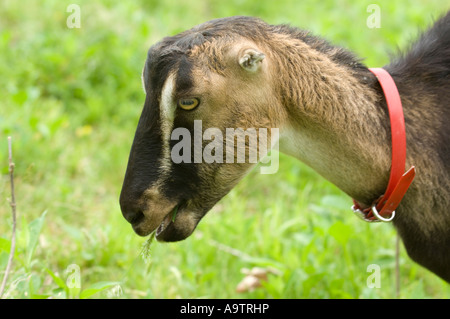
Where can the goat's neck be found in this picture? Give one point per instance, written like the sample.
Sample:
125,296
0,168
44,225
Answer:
337,126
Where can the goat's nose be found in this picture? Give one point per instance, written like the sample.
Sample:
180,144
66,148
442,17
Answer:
132,213
133,216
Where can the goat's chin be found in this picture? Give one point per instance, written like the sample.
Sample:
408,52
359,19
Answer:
178,228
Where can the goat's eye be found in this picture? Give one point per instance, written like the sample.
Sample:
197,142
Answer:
188,104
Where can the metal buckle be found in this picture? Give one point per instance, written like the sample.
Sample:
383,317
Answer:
381,218
374,210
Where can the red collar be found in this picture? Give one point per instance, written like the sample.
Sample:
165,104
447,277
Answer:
383,209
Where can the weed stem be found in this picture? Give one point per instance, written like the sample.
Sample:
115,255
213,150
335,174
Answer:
13,209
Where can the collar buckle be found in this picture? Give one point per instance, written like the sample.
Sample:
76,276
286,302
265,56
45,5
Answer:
374,218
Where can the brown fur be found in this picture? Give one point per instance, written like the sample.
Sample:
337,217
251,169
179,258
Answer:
331,114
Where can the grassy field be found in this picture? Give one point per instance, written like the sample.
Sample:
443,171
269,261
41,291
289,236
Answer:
71,99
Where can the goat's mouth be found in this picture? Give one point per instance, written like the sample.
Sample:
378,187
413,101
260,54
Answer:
146,222
178,224
167,221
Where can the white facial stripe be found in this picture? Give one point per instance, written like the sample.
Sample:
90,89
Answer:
167,113
167,106
143,81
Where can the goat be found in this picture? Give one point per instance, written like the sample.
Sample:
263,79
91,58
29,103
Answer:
240,72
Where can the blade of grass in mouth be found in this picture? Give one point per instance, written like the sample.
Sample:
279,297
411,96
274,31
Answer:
174,214
145,253
146,246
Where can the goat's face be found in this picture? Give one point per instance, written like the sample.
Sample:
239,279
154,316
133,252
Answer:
170,184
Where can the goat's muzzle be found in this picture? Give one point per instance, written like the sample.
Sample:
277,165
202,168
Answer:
171,221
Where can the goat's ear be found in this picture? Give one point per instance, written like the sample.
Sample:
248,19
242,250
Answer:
250,60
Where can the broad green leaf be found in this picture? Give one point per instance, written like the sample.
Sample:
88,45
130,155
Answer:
97,287
58,280
34,229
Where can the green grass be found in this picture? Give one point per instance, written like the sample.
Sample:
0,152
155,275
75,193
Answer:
71,99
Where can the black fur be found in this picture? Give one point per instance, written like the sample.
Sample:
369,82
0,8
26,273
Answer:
424,70
144,162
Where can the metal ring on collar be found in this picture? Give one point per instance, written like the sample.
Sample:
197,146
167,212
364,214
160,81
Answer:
379,217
